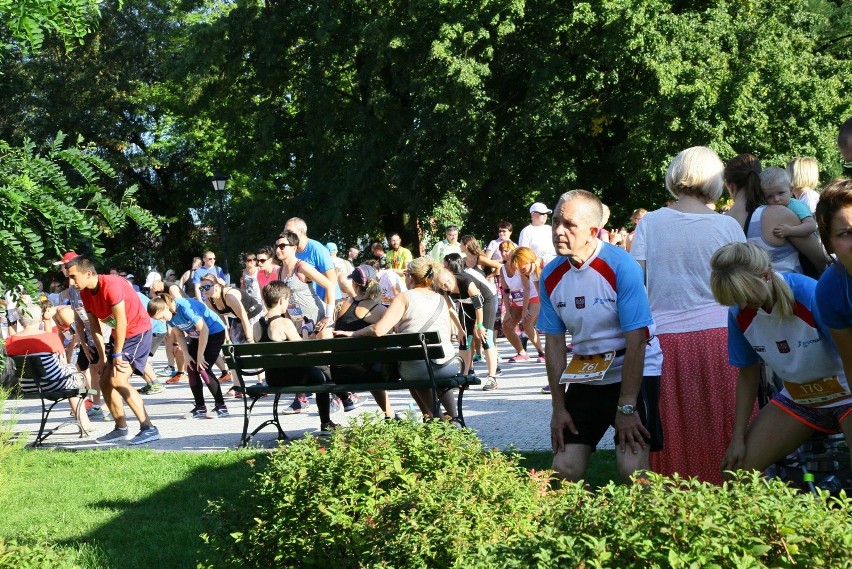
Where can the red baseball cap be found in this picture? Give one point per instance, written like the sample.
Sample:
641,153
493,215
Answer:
66,257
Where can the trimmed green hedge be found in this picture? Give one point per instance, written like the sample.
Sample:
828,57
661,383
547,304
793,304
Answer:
662,522
404,494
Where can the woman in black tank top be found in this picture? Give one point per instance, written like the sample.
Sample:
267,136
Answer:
275,327
227,301
364,309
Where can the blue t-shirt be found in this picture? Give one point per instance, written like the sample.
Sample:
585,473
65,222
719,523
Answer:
199,274
318,256
801,209
187,313
833,297
157,326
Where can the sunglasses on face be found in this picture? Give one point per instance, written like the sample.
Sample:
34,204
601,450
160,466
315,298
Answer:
251,260
259,260
206,287
282,245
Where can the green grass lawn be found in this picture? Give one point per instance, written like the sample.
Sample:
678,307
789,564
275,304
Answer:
128,509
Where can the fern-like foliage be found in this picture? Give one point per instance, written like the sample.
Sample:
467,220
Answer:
52,200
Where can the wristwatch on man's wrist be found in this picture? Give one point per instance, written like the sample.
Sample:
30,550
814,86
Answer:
626,409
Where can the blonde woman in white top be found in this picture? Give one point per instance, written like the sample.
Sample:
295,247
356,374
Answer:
421,309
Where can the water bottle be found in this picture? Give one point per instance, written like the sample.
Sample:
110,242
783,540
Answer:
4,326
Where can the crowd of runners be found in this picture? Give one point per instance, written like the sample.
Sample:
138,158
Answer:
665,332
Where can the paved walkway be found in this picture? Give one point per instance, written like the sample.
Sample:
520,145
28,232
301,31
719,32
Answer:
515,415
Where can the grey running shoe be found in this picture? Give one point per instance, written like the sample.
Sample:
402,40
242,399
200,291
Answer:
167,371
146,435
490,384
114,436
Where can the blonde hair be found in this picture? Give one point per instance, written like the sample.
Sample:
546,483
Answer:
213,279
775,178
524,255
507,246
423,271
696,172
739,277
804,172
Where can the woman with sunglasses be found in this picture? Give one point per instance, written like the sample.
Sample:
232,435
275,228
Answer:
206,336
242,313
310,314
266,266
248,280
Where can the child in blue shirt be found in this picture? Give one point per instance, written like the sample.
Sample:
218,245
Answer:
206,336
777,189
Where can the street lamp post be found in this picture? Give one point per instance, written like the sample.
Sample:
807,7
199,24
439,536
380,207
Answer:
220,180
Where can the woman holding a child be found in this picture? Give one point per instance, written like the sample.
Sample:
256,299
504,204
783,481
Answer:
762,208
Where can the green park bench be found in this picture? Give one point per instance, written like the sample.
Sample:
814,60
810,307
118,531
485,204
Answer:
249,360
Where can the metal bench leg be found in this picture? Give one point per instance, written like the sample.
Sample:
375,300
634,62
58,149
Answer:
81,407
45,413
273,421
459,404
246,416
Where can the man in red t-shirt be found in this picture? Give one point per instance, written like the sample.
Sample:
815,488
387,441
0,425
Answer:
110,299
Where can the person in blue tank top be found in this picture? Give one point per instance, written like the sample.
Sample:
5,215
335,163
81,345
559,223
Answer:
206,336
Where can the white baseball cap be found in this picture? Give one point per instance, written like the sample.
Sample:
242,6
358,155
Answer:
539,207
152,277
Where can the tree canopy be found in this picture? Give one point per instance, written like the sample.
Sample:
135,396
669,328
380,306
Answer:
370,117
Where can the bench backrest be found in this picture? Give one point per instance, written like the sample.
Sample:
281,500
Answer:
29,370
335,351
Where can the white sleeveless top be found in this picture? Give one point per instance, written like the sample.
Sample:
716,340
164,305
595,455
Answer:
422,305
785,259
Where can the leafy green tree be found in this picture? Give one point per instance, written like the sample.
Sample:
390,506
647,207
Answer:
26,22
365,117
53,200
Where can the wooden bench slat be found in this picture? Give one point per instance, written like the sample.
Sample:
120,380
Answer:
275,361
366,386
363,343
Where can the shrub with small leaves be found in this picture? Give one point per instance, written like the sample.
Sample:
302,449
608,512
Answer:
661,522
34,556
383,493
